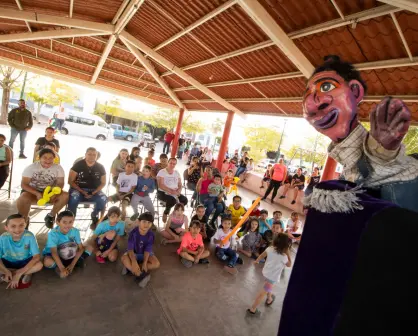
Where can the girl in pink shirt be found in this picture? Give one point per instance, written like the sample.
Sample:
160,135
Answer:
192,250
173,231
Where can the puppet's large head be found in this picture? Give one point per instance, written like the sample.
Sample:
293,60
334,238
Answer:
331,98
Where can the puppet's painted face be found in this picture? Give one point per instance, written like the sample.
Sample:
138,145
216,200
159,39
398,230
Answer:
330,104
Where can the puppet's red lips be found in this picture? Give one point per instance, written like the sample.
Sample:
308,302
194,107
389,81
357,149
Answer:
329,120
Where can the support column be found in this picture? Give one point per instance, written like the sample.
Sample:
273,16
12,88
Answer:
175,143
225,140
329,169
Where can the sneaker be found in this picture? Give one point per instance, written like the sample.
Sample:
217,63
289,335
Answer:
231,269
124,270
49,221
281,197
22,156
26,278
204,261
81,263
256,313
186,263
240,261
143,279
164,218
293,202
100,260
134,217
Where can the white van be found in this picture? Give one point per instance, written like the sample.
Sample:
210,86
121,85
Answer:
88,125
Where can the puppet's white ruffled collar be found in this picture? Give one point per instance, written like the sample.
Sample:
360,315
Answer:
328,201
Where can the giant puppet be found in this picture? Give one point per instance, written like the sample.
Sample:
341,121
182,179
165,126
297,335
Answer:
343,281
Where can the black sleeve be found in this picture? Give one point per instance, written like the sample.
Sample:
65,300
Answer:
56,142
40,141
78,166
302,178
101,169
295,176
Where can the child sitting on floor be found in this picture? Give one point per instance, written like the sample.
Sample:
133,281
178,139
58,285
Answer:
225,253
64,250
19,253
139,258
228,179
264,224
104,242
277,217
125,186
251,241
144,187
277,258
237,210
192,250
202,219
173,231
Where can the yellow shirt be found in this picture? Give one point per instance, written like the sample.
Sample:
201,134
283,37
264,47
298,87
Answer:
236,214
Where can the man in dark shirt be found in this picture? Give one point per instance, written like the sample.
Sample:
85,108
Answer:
87,179
298,183
20,121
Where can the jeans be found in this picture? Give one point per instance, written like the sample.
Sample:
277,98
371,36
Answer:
210,204
239,171
171,201
59,123
166,147
76,197
273,185
13,135
227,254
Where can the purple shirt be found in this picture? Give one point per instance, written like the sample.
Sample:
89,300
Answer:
139,243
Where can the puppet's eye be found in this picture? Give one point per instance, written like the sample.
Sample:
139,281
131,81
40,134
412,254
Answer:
326,86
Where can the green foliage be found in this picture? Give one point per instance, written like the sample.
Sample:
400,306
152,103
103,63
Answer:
261,139
61,93
37,98
217,126
165,118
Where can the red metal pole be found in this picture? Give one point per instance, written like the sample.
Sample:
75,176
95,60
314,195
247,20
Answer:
175,144
224,141
329,169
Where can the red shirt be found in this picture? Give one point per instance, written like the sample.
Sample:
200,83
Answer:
168,137
279,172
190,243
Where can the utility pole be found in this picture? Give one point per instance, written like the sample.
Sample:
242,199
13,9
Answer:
280,143
22,92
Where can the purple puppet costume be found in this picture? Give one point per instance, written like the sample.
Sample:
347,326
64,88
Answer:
341,283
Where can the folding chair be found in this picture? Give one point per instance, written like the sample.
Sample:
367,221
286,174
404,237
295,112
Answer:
185,179
157,205
8,182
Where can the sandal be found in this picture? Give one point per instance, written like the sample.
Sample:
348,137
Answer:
273,297
256,313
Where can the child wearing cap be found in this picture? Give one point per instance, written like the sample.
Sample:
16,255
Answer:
139,258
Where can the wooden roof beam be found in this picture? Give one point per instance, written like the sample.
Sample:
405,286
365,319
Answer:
410,5
166,63
19,5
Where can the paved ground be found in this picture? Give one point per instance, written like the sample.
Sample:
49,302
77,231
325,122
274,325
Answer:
97,300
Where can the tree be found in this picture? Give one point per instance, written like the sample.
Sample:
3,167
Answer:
261,139
9,78
61,93
40,100
165,118
217,126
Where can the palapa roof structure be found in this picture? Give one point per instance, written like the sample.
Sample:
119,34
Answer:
246,56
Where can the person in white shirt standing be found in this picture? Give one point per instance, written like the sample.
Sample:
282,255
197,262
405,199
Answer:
60,117
277,258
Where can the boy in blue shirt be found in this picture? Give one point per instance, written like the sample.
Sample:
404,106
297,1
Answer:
139,259
277,217
104,242
64,250
264,225
144,187
19,253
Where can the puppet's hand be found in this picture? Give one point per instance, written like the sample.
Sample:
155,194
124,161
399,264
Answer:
389,122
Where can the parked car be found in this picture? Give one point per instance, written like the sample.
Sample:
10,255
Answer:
120,133
265,162
88,125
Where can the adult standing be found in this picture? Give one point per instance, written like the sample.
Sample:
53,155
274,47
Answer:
278,175
207,158
313,180
87,179
181,147
60,118
168,138
35,178
21,121
5,159
169,187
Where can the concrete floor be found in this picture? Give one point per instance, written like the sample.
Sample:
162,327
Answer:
97,300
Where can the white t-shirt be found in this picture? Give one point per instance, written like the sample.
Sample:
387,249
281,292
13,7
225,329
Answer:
61,114
274,265
126,182
170,180
291,226
41,177
220,234
208,157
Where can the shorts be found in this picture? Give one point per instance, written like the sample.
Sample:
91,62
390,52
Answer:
288,180
16,264
300,187
115,198
178,230
266,179
65,262
105,244
268,285
140,257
